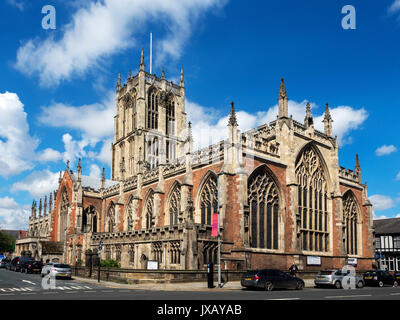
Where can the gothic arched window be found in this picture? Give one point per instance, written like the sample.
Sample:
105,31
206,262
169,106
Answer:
149,210
152,110
110,218
312,201
209,199
174,206
130,215
264,210
350,219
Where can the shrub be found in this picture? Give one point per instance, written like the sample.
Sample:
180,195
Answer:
111,263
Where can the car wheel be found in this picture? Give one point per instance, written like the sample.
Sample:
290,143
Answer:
299,285
360,284
268,286
395,284
338,285
380,284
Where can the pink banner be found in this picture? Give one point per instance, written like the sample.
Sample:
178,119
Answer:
214,232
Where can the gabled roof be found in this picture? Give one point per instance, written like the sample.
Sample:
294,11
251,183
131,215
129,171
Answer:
387,226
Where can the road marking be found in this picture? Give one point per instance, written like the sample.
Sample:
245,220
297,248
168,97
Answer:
7,294
395,294
285,299
107,290
49,292
354,296
30,282
87,287
76,287
89,291
26,293
4,290
72,292
123,290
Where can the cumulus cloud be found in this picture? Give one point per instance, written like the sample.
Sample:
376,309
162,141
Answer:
381,202
48,155
210,127
385,150
38,183
103,28
12,215
17,147
398,176
93,122
379,217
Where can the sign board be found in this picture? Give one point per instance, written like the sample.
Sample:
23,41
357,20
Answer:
313,261
352,262
214,231
152,265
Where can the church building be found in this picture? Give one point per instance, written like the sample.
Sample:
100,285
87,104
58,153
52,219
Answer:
279,192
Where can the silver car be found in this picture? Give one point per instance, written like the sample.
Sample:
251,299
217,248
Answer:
57,270
335,278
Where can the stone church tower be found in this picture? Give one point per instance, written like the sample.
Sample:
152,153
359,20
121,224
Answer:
150,123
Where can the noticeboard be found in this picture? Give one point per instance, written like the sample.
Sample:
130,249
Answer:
313,261
152,265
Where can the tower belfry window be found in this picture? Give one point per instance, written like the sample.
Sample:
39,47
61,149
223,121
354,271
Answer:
152,110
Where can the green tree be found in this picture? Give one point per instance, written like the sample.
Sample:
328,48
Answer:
7,243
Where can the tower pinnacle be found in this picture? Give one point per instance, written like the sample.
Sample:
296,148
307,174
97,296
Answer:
232,117
283,101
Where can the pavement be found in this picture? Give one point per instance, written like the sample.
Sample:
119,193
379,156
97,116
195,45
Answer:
176,286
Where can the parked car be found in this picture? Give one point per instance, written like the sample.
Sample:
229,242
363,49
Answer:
20,262
270,279
4,263
57,269
379,278
334,278
397,276
34,267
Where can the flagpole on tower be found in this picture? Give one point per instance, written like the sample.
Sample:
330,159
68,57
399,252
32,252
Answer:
151,50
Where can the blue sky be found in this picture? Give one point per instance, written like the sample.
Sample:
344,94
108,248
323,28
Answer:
57,86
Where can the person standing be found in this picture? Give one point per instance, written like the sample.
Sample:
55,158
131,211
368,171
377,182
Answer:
293,269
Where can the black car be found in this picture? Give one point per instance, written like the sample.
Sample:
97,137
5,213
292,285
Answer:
4,263
397,276
269,279
34,267
379,278
19,263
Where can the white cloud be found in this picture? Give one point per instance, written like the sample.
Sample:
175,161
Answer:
17,3
38,183
381,202
395,6
398,215
379,217
12,215
210,127
103,28
385,150
17,147
48,155
398,176
105,153
94,121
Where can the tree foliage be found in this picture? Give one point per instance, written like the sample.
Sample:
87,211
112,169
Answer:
7,243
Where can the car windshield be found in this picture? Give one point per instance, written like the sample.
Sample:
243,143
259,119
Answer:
326,273
63,266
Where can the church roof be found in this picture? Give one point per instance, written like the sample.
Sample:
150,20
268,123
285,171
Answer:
387,226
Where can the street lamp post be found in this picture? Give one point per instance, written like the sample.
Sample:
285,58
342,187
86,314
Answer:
99,263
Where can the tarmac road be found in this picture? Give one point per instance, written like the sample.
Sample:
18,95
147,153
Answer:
21,286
